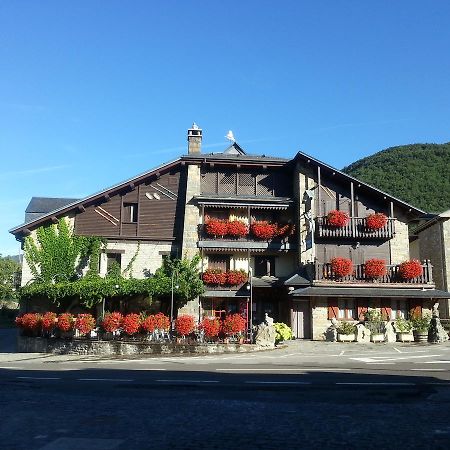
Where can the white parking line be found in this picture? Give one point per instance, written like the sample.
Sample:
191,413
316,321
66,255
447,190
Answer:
399,358
277,382
434,362
283,369
431,370
104,379
376,384
39,378
188,381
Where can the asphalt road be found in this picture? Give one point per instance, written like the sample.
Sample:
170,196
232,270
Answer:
308,395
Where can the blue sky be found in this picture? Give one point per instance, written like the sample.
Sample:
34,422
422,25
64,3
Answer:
94,92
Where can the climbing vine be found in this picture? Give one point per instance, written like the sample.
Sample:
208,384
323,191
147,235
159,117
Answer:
129,268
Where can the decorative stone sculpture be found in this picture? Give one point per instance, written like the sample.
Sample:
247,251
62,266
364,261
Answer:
362,333
390,335
436,332
331,333
266,333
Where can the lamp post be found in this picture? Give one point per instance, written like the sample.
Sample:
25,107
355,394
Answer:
250,288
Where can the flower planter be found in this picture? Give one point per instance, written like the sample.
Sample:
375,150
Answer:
405,337
346,337
377,337
421,336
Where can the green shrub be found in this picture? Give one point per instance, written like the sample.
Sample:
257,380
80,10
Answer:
346,328
403,325
420,323
284,332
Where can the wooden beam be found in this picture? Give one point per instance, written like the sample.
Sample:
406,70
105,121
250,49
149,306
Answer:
319,193
54,219
158,175
106,197
26,232
131,186
81,208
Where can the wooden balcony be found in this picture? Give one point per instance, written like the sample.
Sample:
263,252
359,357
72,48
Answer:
355,229
324,274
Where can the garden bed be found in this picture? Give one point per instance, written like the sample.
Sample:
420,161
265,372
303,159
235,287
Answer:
123,348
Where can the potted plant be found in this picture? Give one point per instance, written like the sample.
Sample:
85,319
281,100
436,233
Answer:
336,218
215,277
375,268
66,325
420,325
211,327
346,332
237,229
403,327
216,227
376,221
264,230
234,326
410,269
184,325
111,324
84,324
375,323
341,267
236,277
131,324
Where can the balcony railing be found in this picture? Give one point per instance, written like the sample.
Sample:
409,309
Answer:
355,229
324,273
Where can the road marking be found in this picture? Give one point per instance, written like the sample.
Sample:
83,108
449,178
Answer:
434,362
342,353
397,350
12,367
382,363
39,378
304,369
277,382
104,379
376,384
399,358
431,370
188,381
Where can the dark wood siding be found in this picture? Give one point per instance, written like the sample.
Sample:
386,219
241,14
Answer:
360,254
100,219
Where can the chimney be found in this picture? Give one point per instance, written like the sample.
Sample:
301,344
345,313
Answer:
194,140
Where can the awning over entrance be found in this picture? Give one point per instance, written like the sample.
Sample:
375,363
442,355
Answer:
368,292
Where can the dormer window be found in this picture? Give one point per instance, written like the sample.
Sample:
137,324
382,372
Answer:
130,212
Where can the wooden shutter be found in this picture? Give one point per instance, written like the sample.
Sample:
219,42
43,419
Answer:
386,309
415,307
361,308
333,309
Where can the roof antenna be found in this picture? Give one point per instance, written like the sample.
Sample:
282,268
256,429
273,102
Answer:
230,136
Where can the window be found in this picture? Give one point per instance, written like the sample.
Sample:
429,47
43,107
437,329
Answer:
113,259
264,266
399,308
221,262
130,212
342,308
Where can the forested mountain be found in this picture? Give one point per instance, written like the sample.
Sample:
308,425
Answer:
418,174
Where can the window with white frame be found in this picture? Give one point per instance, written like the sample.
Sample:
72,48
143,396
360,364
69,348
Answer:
399,308
346,308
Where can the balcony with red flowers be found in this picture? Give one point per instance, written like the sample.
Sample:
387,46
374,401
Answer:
339,225
342,271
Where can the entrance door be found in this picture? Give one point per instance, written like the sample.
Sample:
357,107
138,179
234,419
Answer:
301,320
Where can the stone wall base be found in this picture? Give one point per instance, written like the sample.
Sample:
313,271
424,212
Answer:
122,348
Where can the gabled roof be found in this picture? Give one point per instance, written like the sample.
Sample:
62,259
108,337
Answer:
309,159
234,149
39,206
90,198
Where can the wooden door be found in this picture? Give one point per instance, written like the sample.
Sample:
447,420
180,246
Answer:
301,320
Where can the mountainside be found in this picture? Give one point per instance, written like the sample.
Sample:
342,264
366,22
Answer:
418,174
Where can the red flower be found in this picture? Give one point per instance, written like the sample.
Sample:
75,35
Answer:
410,269
233,324
375,268
236,228
235,277
184,325
376,221
85,323
29,321
337,218
214,277
341,267
149,324
112,321
216,227
286,230
162,322
211,327
49,321
264,230
66,322
131,323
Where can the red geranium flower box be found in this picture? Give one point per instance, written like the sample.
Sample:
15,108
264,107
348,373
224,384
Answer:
341,267
148,324
29,321
214,277
66,322
184,325
216,227
131,324
264,230
48,321
162,322
233,324
410,269
286,230
112,321
84,323
375,268
236,228
236,277
376,221
211,327
337,218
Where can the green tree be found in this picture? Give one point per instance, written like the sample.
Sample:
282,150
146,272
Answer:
9,274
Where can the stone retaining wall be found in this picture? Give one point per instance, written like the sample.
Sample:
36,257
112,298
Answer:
118,348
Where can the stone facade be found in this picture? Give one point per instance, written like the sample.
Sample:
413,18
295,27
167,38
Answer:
399,244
